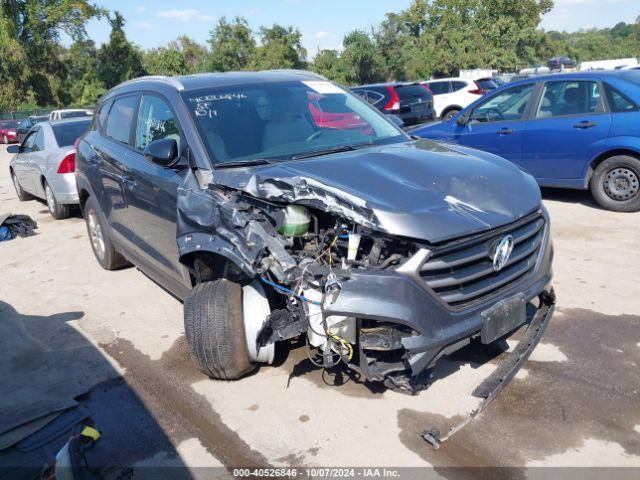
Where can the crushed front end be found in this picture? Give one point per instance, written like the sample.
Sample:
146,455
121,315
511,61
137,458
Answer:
387,306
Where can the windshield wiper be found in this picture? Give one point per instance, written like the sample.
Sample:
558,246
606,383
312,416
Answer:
242,163
326,151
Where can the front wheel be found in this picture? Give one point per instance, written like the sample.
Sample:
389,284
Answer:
450,114
214,325
22,195
615,184
57,210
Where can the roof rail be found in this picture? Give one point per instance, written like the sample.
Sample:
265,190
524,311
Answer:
169,80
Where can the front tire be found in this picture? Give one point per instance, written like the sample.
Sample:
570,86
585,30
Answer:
57,210
214,325
22,195
103,249
615,184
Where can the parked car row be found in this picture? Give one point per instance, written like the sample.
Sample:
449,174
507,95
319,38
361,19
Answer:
574,130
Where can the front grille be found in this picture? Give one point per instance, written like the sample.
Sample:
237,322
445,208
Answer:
461,271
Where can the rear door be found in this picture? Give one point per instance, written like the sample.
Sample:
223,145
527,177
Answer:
152,194
569,126
441,93
113,156
496,124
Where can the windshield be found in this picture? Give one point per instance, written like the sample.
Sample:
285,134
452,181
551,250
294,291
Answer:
283,120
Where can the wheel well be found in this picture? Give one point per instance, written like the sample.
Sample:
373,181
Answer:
608,154
83,196
209,266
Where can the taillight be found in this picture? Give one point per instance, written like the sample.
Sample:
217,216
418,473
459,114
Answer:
394,102
68,164
477,91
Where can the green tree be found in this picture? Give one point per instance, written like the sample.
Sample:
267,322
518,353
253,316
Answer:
194,54
329,64
164,61
232,45
361,59
280,47
119,59
29,36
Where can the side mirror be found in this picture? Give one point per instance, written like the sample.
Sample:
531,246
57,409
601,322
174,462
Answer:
397,121
462,120
13,149
164,151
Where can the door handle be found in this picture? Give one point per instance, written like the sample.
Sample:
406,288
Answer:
504,131
584,124
129,180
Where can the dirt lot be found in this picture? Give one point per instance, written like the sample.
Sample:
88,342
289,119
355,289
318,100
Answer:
576,402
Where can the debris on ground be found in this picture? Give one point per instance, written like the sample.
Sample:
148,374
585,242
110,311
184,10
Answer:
12,226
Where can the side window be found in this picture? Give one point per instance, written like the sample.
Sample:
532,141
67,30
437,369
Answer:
38,144
507,105
569,98
120,118
155,121
618,102
438,88
101,117
374,98
455,86
27,145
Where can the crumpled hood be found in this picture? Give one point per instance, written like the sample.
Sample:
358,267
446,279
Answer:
423,189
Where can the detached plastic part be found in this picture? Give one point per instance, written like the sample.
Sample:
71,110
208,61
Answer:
491,387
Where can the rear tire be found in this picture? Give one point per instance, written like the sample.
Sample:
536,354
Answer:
103,249
214,325
615,184
57,210
22,195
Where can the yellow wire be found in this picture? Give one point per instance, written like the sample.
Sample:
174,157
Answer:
343,342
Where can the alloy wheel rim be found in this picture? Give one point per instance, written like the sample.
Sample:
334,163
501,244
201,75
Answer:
95,232
621,184
51,201
16,184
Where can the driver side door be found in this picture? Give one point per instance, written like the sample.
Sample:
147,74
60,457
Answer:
496,124
21,164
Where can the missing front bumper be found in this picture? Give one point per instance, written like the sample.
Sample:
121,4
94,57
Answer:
491,387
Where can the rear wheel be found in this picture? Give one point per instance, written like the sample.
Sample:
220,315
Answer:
57,210
615,184
214,325
22,195
103,249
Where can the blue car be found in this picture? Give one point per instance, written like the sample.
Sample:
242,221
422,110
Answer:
577,130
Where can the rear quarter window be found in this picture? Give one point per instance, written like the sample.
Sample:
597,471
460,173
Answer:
438,88
455,86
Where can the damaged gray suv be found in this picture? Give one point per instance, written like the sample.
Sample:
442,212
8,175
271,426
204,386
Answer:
278,205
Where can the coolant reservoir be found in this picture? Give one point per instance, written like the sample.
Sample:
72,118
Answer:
296,221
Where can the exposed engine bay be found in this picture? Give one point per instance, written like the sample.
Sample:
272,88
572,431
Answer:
301,257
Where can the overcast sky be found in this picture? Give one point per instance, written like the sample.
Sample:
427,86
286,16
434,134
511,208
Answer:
322,22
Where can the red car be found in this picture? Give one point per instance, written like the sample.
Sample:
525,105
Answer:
8,132
329,113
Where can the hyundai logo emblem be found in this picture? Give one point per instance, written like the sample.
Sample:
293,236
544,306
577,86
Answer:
502,253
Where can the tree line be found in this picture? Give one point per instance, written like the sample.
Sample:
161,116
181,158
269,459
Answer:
429,38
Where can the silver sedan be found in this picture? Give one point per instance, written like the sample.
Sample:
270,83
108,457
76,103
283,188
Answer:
44,164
